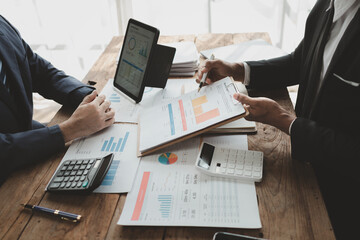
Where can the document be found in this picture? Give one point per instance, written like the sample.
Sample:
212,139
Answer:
253,50
169,191
188,114
119,139
126,110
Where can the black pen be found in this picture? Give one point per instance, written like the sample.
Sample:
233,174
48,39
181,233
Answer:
203,79
63,215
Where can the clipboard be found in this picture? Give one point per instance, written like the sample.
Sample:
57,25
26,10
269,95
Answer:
231,88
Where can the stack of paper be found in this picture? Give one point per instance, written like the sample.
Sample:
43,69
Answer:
186,59
253,50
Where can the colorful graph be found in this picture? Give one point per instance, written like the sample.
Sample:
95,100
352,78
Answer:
114,98
168,158
200,114
111,146
109,178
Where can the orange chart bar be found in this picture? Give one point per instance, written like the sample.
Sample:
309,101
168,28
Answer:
199,101
140,197
182,112
208,115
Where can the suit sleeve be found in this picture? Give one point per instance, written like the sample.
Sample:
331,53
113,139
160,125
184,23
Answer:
24,148
53,83
277,72
325,146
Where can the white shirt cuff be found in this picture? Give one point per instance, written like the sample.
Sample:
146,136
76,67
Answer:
291,126
247,74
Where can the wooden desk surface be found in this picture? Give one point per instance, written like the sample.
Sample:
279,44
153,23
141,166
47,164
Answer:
290,203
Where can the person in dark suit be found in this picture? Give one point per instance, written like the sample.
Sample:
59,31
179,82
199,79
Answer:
326,129
23,140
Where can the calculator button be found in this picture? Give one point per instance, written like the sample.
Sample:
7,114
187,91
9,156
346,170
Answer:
73,173
73,184
66,179
82,167
88,166
77,178
60,174
78,162
256,174
239,166
76,167
85,172
249,168
62,185
82,178
58,179
79,173
66,163
63,168
85,184
66,174
71,179
248,173
79,184
70,167
91,161
86,161
68,184
230,171
54,185
257,169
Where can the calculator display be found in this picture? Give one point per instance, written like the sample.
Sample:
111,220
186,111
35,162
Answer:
206,155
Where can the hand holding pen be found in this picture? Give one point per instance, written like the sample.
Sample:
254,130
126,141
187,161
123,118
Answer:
204,76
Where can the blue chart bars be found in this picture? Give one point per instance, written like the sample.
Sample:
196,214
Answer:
111,146
171,116
165,205
109,178
114,98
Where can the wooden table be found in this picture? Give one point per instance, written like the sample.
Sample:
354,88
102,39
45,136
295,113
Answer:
290,203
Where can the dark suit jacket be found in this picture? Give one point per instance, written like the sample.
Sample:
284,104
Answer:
330,138
22,140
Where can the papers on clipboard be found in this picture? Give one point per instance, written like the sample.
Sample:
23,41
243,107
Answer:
188,115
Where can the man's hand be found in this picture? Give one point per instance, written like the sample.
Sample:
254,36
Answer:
92,115
218,69
266,111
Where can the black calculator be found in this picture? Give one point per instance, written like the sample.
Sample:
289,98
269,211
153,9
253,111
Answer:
80,175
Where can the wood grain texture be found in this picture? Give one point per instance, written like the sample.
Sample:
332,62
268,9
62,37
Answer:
290,203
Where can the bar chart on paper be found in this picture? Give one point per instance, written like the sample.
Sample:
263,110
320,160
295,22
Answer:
110,145
201,112
119,139
125,109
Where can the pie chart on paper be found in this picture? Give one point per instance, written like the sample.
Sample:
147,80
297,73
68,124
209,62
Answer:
168,158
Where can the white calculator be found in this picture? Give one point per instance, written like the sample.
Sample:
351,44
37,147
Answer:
230,163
